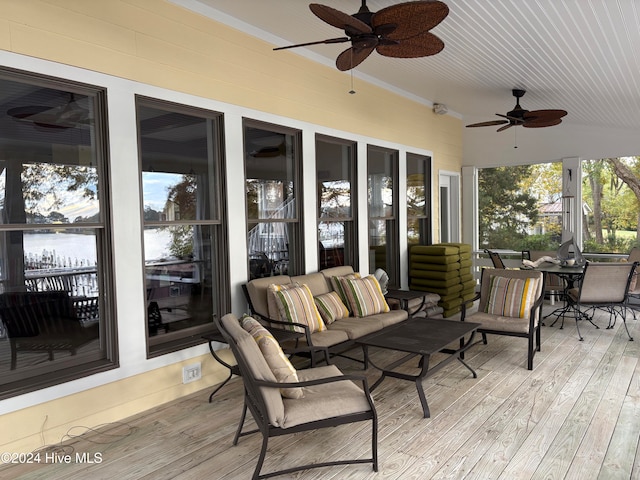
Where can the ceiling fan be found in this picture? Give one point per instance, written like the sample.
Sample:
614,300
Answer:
68,115
400,31
520,116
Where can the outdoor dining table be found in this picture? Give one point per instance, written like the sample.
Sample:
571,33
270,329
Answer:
570,274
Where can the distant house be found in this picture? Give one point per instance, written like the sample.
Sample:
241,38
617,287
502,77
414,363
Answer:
550,217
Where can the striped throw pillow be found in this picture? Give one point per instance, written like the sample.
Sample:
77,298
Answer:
296,305
511,297
364,296
331,307
272,305
274,356
336,284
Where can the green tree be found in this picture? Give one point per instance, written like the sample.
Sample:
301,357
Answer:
506,210
182,197
629,173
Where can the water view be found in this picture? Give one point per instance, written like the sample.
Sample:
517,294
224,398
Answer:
71,249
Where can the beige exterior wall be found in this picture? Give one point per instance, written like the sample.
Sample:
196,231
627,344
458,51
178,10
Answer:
157,43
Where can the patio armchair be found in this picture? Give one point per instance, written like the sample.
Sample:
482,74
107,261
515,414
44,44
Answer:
604,286
510,303
317,397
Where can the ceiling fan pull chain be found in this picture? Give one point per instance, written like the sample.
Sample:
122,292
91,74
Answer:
352,91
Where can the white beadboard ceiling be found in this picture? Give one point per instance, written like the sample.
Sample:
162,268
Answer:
582,56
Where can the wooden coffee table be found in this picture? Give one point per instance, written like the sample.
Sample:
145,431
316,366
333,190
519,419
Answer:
421,337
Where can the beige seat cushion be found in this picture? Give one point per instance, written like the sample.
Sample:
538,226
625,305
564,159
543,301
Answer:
497,322
275,357
357,327
328,338
258,366
324,401
317,283
389,318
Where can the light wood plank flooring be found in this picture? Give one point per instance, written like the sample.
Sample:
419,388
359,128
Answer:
575,416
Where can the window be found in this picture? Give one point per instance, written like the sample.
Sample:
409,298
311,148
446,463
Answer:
272,172
335,178
382,175
418,199
56,315
184,248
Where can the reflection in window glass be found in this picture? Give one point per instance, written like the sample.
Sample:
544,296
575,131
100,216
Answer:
180,159
418,199
335,171
382,172
271,169
54,245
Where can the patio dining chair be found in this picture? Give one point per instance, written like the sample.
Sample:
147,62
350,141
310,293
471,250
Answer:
322,397
554,286
633,296
604,286
495,259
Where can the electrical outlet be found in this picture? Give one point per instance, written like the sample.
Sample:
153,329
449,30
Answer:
191,373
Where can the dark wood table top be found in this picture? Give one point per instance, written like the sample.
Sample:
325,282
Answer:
423,336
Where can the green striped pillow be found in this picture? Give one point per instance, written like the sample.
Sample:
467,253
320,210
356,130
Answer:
511,297
337,286
364,296
296,305
331,307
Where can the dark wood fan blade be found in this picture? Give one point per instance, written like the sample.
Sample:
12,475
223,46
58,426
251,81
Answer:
501,129
421,45
411,18
352,57
339,19
319,42
541,123
543,115
490,123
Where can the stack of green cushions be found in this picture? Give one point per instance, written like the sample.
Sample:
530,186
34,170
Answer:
445,269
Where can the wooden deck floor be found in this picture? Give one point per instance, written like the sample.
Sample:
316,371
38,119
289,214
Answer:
575,416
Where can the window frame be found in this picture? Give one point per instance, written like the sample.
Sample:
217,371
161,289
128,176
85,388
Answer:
296,251
350,254
107,356
160,344
392,228
424,220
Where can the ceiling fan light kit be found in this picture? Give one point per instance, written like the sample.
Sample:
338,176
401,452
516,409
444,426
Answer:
399,31
521,117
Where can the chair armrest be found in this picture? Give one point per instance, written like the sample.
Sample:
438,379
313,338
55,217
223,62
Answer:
537,305
463,313
271,325
319,381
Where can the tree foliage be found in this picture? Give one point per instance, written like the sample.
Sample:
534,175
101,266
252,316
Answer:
506,210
